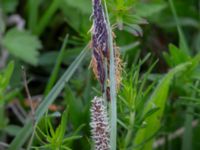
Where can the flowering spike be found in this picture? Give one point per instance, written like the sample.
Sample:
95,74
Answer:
101,56
100,32
99,42
99,124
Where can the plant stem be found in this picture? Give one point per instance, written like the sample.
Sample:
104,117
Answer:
130,129
187,136
105,84
113,104
32,13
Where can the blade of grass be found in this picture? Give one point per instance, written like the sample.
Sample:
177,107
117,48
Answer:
32,13
182,41
55,71
113,104
25,132
60,84
44,21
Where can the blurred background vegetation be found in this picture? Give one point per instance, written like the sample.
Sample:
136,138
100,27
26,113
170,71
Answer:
159,99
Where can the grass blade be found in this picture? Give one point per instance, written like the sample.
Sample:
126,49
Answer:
32,13
56,67
25,132
113,104
47,17
60,84
182,41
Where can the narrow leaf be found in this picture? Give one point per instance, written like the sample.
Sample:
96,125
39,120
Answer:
21,138
157,99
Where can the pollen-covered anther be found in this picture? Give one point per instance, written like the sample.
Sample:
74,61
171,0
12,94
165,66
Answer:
118,67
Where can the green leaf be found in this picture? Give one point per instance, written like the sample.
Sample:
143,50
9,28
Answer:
83,6
22,45
113,92
146,10
12,129
7,73
56,68
46,18
144,136
71,138
63,125
9,6
176,56
48,58
4,82
182,40
33,11
78,20
75,108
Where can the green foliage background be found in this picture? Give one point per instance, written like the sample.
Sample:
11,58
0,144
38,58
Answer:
159,42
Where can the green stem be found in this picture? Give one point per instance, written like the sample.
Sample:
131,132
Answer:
187,136
106,77
32,13
113,104
130,129
31,139
2,116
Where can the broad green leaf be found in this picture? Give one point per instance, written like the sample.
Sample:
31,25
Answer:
23,45
144,136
